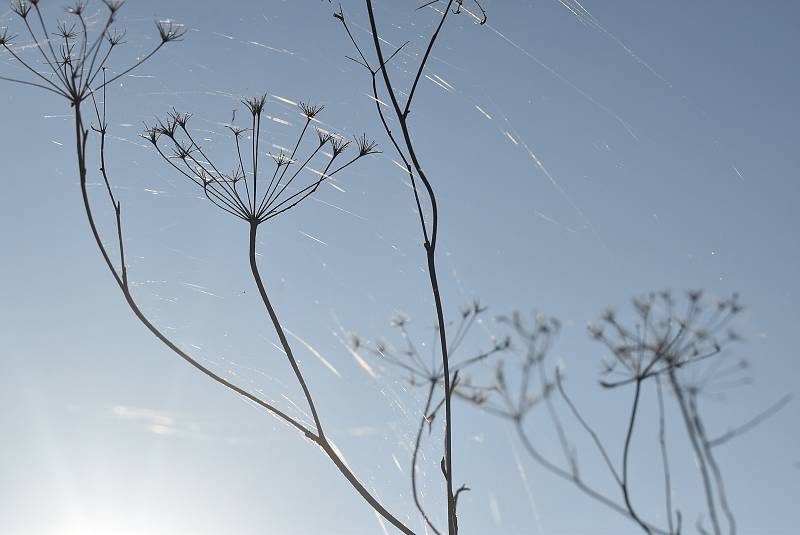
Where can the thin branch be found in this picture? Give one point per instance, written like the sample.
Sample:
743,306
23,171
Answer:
698,451
588,429
132,67
625,456
712,463
662,443
33,84
579,483
430,249
752,423
417,443
54,87
123,286
422,63
279,328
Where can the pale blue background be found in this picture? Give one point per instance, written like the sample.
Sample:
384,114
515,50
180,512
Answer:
670,137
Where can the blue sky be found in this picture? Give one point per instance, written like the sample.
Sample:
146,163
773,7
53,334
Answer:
578,162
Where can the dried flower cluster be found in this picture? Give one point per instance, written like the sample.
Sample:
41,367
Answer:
422,369
75,54
428,370
244,192
663,337
513,395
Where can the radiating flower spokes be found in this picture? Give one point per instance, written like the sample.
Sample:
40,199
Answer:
514,398
245,193
662,338
424,369
74,55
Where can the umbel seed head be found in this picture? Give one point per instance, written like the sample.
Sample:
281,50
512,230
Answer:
67,33
280,159
339,145
255,104
178,118
310,110
115,37
76,9
151,134
5,39
21,8
113,5
170,30
365,146
323,136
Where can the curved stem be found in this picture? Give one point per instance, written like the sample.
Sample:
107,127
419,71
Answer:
625,455
430,249
80,136
712,463
317,438
126,71
448,437
662,442
569,454
750,424
353,480
698,452
32,84
279,328
577,481
46,80
414,455
587,428
320,438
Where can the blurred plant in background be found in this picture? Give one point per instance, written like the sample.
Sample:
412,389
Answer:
681,349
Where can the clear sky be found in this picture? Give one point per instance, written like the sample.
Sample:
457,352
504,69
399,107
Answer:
583,154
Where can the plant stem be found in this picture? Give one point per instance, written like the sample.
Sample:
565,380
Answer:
353,480
279,329
430,245
448,436
320,439
712,463
414,455
698,452
662,442
80,137
625,455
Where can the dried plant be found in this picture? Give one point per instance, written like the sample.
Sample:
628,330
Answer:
78,72
74,54
256,198
427,371
684,347
407,152
520,384
668,343
237,192
76,59
680,351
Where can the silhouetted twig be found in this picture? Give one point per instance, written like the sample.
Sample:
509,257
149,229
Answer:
752,423
662,443
513,394
419,372
665,342
414,168
74,70
238,194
